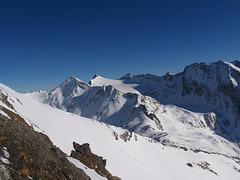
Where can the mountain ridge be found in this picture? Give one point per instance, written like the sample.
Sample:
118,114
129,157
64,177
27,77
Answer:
146,103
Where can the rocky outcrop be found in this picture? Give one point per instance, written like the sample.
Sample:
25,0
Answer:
26,154
84,154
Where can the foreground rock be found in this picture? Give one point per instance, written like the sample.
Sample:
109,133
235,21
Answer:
27,154
83,153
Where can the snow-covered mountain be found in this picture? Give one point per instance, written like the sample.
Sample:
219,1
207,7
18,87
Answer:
129,155
200,103
201,87
144,125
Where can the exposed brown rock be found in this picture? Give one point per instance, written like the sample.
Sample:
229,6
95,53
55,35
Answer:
126,136
14,116
32,154
206,166
84,154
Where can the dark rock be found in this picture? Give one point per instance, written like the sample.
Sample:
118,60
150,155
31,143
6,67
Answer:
32,154
84,154
189,164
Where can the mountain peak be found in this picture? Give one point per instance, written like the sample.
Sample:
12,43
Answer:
72,82
220,61
127,76
95,76
71,78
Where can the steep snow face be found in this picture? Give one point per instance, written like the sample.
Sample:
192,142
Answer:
97,102
201,87
128,155
7,98
59,96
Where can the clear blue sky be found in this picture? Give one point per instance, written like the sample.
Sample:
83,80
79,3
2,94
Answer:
43,42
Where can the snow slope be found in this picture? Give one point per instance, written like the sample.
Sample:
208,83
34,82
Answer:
136,158
90,172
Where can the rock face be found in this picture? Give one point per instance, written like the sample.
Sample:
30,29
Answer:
201,87
83,153
27,154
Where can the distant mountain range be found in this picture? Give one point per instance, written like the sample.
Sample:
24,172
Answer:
197,110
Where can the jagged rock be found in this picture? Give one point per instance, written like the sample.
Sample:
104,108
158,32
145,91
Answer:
189,164
206,166
126,136
30,154
84,154
115,135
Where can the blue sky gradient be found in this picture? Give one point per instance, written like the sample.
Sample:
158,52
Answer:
44,42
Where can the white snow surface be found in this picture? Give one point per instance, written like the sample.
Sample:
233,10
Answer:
118,84
90,172
139,158
4,114
5,156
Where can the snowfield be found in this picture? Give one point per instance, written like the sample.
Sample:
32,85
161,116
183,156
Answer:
118,84
138,158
